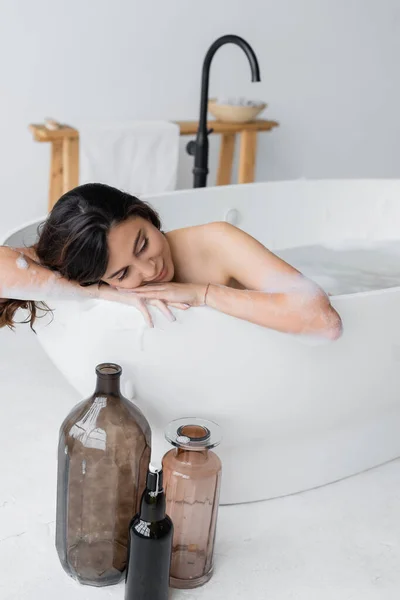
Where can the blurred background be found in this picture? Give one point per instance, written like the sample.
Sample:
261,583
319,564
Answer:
329,74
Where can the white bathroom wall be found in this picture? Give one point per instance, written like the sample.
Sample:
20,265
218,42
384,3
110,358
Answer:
329,73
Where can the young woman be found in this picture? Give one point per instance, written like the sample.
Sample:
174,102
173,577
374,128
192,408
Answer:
99,242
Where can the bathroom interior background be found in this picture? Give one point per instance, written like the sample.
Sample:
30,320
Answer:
329,74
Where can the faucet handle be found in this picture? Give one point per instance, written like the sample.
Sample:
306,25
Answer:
191,148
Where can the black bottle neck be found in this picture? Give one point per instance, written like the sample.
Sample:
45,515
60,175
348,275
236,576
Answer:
153,507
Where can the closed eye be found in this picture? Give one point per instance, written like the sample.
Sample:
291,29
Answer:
126,271
123,275
144,245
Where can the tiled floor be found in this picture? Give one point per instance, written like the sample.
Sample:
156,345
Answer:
340,542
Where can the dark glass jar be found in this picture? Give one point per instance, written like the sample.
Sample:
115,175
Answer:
103,458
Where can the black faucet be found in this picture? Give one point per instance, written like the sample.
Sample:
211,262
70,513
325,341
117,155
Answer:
199,148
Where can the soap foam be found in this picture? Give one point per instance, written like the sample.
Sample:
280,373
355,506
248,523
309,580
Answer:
22,263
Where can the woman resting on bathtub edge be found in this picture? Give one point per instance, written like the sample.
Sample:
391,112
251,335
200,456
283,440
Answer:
98,235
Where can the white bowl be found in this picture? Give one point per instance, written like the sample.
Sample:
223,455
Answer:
232,113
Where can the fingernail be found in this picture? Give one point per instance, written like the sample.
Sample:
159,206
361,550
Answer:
172,318
187,305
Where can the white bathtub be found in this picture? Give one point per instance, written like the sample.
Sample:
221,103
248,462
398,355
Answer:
294,415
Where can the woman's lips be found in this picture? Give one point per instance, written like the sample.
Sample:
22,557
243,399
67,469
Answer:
162,274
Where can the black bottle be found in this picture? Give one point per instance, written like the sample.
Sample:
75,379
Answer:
150,544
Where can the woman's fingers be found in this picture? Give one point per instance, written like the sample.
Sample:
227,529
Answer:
154,298
162,307
180,305
141,305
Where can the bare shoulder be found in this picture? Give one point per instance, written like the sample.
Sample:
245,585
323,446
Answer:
242,257
217,239
223,235
199,253
206,231
218,228
194,229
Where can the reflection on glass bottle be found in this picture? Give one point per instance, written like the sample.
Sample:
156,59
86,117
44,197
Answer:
103,457
192,480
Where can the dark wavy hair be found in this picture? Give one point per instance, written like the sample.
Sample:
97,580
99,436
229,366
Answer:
73,239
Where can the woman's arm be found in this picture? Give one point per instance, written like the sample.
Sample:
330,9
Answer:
302,311
6,250
276,295
22,278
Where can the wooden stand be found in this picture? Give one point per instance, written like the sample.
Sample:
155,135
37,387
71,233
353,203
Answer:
248,146
64,170
64,166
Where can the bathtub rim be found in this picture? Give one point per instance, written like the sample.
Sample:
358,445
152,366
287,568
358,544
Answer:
193,191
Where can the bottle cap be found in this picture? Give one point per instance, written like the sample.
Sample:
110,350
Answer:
154,480
193,434
155,466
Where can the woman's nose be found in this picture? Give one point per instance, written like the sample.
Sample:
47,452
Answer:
148,269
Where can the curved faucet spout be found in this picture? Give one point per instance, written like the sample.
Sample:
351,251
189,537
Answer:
200,147
205,77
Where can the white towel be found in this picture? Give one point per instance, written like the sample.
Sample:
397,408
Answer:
139,157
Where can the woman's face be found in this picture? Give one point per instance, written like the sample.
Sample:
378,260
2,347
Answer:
138,254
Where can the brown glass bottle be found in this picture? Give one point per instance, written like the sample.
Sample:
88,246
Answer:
103,457
192,480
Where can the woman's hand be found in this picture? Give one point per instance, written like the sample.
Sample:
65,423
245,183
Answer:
190,294
132,299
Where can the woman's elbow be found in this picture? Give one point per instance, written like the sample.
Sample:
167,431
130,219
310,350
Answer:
335,329
319,317
330,323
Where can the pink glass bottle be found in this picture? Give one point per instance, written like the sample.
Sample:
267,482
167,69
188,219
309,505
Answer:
192,480
103,457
